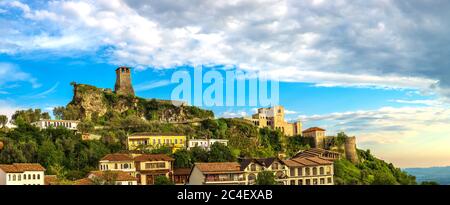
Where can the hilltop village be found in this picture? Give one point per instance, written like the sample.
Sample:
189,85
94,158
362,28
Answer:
106,137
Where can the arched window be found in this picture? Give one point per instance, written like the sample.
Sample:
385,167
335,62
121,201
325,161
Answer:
14,177
29,176
253,167
125,166
116,166
24,177
322,171
38,176
19,177
315,171
34,176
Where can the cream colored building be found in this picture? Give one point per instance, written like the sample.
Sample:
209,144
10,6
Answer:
217,173
318,134
309,171
144,167
274,118
69,124
205,143
140,141
21,174
252,168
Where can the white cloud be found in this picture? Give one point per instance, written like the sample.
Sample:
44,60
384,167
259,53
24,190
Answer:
10,73
290,112
229,114
151,85
45,93
328,43
8,108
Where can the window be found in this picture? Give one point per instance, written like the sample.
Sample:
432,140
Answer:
158,165
24,177
293,172
308,171
329,180
322,171
38,176
9,177
34,176
19,177
315,171
300,182
14,177
300,172
154,141
253,167
308,181
125,166
115,166
176,141
292,182
322,180
275,166
315,181
29,176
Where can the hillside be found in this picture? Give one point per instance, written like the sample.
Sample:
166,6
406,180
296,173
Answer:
99,105
370,171
440,175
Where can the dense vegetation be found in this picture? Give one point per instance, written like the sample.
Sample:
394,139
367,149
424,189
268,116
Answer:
370,171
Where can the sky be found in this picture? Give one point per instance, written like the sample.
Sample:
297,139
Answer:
375,69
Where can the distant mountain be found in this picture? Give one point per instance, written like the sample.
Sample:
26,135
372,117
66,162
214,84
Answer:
440,175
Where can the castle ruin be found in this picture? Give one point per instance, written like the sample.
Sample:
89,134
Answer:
123,81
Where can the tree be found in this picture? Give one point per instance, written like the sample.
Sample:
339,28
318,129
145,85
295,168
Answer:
3,120
383,178
220,153
429,183
199,154
106,178
28,116
86,127
182,159
266,178
163,180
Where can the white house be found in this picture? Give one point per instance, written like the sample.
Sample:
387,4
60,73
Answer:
21,174
205,143
69,124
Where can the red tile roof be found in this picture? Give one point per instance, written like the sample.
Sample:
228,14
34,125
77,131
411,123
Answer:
313,129
181,171
118,157
120,175
21,167
219,167
84,181
307,161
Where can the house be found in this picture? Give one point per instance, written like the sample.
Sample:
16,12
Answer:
205,143
217,173
107,177
309,171
318,134
252,167
181,175
145,167
140,141
21,174
89,137
150,166
318,152
274,117
68,124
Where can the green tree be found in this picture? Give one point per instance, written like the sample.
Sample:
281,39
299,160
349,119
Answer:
383,178
163,180
86,126
220,153
28,116
266,178
3,120
182,159
199,154
429,183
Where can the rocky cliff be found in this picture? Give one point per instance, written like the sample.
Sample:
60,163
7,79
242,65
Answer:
91,103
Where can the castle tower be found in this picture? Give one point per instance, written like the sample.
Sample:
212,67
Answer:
350,149
123,81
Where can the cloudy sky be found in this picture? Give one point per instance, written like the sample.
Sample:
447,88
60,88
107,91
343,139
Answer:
377,69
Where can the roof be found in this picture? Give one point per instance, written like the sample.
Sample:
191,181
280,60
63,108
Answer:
313,129
219,167
265,162
315,152
121,175
153,157
118,157
48,120
147,134
50,180
84,181
308,161
21,167
181,171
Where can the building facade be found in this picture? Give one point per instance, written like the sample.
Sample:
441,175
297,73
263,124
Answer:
274,118
142,141
317,134
205,143
22,174
143,167
68,124
217,173
252,168
309,171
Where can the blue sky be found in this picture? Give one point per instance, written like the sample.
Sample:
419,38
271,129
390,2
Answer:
374,69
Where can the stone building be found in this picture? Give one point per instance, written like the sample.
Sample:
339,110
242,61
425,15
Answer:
318,134
274,118
123,81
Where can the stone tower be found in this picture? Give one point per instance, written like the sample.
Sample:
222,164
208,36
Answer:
123,81
350,149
